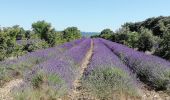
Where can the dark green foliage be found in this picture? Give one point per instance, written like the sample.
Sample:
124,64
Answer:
157,25
37,80
155,41
45,32
126,37
146,40
15,41
28,34
121,38
71,33
42,28
164,47
8,46
95,36
55,38
21,33
106,34
35,46
132,40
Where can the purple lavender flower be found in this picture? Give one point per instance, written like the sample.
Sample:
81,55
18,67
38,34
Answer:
11,68
150,69
65,66
106,74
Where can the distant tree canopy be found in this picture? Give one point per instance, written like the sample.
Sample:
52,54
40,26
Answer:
146,40
41,36
106,34
149,35
158,25
51,36
71,33
42,29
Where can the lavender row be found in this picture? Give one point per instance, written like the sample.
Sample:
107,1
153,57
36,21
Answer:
150,69
103,57
42,55
65,67
106,74
14,68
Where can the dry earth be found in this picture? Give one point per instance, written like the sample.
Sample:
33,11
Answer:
7,88
79,93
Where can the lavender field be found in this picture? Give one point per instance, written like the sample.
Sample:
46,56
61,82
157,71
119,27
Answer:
85,69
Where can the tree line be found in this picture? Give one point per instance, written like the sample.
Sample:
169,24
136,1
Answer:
15,41
151,35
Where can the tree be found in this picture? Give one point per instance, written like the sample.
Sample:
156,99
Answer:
121,38
28,34
16,32
59,38
20,32
47,33
121,35
3,45
7,44
146,40
42,28
95,36
132,40
71,33
55,38
164,47
106,34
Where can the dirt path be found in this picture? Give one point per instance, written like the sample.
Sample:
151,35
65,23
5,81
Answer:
78,92
149,94
5,91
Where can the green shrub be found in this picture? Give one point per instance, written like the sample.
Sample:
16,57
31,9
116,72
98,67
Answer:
146,40
37,80
164,47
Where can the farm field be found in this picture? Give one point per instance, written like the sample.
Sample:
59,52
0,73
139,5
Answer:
85,69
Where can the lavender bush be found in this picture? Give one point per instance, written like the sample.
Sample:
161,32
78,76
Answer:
59,72
10,69
150,69
107,75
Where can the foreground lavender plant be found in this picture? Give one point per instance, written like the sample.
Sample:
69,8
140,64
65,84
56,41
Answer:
107,75
150,69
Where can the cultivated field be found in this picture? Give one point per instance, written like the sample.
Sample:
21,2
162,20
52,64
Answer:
85,69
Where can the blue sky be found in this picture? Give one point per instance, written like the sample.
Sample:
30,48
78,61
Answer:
87,15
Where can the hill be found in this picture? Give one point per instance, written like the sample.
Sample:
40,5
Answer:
89,34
